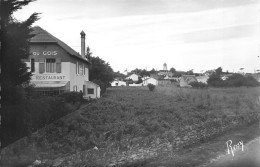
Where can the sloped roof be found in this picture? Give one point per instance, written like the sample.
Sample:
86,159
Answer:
150,78
155,76
42,36
93,83
134,74
189,78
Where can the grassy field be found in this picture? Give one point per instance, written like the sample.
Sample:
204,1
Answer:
134,118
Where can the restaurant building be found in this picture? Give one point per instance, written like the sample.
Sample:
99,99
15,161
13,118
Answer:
57,68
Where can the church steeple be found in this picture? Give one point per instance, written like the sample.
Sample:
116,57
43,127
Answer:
165,67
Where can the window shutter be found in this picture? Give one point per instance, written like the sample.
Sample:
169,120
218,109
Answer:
83,69
58,65
77,67
41,65
32,65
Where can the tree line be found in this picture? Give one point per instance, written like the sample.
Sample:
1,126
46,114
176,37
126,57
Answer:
233,80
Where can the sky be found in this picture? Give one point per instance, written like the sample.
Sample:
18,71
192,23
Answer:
185,34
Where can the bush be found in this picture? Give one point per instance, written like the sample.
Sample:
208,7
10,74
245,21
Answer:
12,94
151,87
23,118
198,84
235,80
72,97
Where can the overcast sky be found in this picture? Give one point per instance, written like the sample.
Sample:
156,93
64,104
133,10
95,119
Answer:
185,34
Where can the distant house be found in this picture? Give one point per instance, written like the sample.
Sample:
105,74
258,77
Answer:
186,80
118,83
133,77
163,72
118,79
155,76
202,79
134,84
164,82
225,76
150,81
145,77
209,72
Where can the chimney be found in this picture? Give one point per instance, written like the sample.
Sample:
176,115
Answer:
82,34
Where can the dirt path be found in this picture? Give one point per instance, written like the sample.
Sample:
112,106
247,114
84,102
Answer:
214,152
249,156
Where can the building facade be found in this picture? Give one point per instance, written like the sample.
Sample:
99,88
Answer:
55,67
150,81
133,77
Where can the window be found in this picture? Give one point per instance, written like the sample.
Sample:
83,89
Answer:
32,65
75,88
50,65
80,70
90,91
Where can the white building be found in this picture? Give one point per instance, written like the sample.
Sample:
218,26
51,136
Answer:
57,68
146,77
133,77
202,79
150,81
118,83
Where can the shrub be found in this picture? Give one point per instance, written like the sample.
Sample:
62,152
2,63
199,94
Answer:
195,84
23,118
151,87
235,80
102,85
71,97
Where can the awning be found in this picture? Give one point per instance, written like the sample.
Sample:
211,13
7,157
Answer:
49,84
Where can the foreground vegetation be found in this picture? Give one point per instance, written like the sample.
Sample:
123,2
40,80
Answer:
134,118
25,115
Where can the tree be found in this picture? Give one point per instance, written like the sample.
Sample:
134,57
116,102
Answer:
173,70
236,80
144,73
218,71
88,53
190,72
136,71
14,37
118,74
100,70
152,71
215,78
